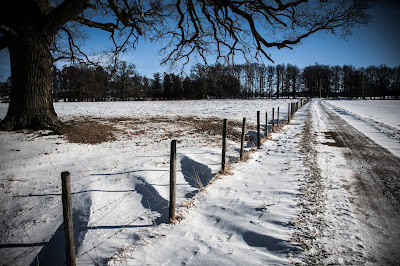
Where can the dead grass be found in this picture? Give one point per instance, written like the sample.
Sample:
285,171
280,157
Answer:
211,126
93,130
89,132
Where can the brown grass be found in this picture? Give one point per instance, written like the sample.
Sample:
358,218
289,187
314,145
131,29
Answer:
93,130
89,132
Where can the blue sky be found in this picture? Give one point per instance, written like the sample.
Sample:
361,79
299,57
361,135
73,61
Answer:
376,44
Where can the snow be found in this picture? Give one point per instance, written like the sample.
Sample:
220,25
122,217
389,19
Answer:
378,119
383,112
244,219
120,189
340,236
230,109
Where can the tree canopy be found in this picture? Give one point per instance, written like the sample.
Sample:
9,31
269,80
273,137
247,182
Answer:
39,32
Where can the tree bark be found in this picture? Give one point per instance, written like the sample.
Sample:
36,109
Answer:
31,102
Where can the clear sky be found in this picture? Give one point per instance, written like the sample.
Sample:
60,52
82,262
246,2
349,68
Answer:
376,44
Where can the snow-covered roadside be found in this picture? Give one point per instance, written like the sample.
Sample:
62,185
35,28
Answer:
334,236
379,120
373,188
246,218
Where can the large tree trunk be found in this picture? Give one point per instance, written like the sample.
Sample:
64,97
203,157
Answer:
31,103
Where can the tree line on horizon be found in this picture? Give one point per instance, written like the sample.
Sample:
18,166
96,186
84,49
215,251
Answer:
251,80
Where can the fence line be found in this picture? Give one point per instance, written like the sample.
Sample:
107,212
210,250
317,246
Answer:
293,108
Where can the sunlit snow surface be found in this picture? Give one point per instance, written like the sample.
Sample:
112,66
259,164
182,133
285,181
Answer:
379,120
120,189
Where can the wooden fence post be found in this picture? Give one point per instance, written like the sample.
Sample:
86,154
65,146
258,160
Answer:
68,222
258,130
172,182
288,113
277,122
292,114
273,119
266,124
242,138
224,146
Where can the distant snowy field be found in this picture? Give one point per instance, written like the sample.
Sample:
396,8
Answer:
378,119
230,109
386,112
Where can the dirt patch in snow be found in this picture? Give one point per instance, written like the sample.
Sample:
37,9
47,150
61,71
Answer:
91,130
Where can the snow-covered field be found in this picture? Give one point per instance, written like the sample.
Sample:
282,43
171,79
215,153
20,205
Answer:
384,112
378,119
263,213
120,188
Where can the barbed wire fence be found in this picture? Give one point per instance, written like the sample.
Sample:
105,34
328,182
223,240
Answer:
160,203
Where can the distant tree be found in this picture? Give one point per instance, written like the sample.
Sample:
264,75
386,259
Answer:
39,32
325,77
156,86
122,78
147,92
310,80
336,72
383,75
396,82
101,83
176,84
198,74
293,75
167,85
270,79
280,76
348,74
371,87
75,82
189,90
5,88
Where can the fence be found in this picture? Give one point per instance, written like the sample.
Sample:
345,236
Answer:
160,204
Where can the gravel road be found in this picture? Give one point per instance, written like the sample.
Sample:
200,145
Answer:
373,190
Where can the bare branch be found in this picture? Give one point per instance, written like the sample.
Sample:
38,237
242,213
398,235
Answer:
117,11
73,47
8,31
44,6
110,27
65,12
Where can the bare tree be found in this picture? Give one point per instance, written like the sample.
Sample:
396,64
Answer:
280,70
293,74
122,77
39,32
270,77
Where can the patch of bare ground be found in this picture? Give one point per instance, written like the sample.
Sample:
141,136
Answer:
92,130
89,132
